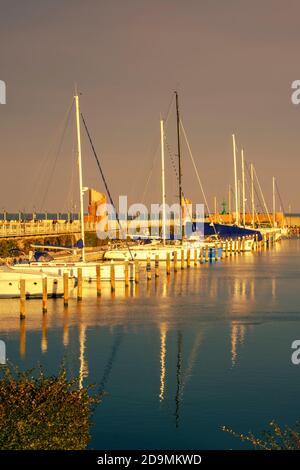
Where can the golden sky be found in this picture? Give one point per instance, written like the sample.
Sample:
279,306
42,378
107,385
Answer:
232,62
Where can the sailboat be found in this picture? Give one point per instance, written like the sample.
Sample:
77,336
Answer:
158,246
236,230
58,267
10,284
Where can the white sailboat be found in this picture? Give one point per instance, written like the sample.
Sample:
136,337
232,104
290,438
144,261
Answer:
88,268
10,284
142,251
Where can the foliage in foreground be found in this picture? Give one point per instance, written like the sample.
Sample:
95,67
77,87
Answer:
277,438
39,412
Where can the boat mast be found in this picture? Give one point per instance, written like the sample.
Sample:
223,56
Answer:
274,203
80,173
237,215
179,162
239,198
162,143
243,189
252,194
229,202
215,204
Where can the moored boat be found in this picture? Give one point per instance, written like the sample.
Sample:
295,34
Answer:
10,284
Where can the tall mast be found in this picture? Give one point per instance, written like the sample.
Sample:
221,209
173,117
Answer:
252,193
229,202
239,198
80,173
179,161
215,203
274,203
237,215
243,189
162,143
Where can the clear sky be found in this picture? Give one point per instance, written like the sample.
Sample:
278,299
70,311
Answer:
232,62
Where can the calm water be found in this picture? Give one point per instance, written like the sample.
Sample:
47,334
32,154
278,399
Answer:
178,359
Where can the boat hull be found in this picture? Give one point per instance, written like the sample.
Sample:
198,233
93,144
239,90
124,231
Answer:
88,269
10,285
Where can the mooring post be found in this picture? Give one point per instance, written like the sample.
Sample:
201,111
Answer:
136,271
79,284
156,265
148,269
206,254
45,294
216,251
98,280
168,265
126,273
112,277
22,298
188,258
182,259
201,255
226,249
195,256
175,261
66,288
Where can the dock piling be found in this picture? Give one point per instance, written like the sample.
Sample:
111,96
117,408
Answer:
195,256
182,259
188,258
136,271
112,277
156,266
79,284
22,298
175,261
66,288
126,273
45,294
168,265
98,280
148,269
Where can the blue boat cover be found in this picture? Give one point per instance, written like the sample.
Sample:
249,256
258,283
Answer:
224,231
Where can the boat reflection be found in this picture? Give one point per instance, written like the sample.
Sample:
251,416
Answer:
167,328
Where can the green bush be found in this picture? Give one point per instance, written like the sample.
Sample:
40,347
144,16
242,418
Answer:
277,438
39,412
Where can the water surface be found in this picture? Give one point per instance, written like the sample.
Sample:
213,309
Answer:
178,358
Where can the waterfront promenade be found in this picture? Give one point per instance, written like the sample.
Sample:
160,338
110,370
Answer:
49,228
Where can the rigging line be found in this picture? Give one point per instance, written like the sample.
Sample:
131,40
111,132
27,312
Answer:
248,204
156,151
255,191
42,168
279,195
105,184
71,199
56,157
170,153
198,177
262,196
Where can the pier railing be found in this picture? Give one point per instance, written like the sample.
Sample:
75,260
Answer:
27,229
